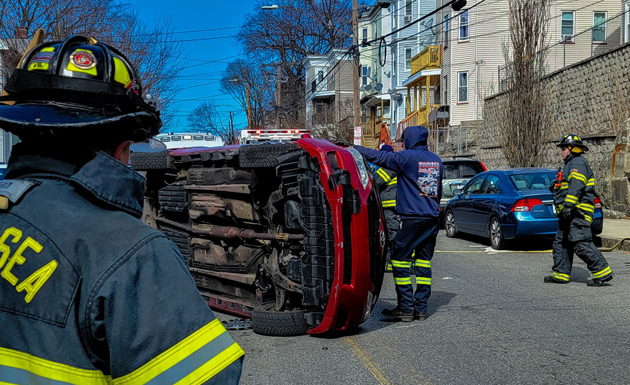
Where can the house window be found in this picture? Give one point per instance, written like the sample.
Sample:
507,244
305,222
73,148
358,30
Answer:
365,36
408,7
626,23
599,27
462,94
320,76
568,26
445,31
364,75
445,90
463,26
407,59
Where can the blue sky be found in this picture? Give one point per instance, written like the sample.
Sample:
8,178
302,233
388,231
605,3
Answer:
189,15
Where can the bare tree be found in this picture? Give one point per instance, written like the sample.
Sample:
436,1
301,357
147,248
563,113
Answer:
286,35
526,115
204,118
242,74
150,48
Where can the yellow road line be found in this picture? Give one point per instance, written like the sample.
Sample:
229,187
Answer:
367,363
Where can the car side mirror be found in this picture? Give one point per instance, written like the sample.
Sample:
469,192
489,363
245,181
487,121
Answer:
457,192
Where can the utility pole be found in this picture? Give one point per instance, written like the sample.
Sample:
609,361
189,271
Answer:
233,137
278,96
249,107
356,67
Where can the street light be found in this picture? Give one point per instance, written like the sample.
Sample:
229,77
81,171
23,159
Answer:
249,108
268,7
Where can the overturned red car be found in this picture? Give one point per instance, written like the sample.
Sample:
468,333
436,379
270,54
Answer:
290,234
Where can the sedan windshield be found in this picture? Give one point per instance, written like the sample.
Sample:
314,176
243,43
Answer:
532,181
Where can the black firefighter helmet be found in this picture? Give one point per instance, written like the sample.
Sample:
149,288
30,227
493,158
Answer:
77,86
573,143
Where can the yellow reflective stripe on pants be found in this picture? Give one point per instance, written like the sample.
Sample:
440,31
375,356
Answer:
423,281
402,281
390,203
586,207
393,181
22,368
588,218
590,182
402,264
423,263
602,273
212,344
560,276
383,175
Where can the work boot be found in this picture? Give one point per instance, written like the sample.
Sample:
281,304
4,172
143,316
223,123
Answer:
397,313
552,279
419,316
599,282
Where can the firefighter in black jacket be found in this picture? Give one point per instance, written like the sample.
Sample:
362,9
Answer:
574,195
386,183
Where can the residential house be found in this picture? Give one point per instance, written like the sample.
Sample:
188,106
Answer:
329,92
376,70
472,43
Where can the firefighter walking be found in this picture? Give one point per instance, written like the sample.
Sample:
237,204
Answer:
386,183
574,195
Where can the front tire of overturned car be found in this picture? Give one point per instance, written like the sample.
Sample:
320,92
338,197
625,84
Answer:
267,321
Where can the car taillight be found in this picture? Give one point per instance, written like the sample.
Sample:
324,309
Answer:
484,166
526,204
597,203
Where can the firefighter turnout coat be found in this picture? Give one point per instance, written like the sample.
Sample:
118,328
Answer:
91,295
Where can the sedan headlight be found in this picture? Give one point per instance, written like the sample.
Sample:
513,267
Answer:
363,171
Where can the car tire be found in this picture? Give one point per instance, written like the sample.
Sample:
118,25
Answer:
263,155
449,224
269,322
495,233
142,161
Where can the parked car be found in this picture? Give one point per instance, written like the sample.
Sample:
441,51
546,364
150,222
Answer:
3,170
508,204
455,175
290,234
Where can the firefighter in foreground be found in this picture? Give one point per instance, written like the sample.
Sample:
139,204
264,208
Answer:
419,191
574,195
386,181
91,295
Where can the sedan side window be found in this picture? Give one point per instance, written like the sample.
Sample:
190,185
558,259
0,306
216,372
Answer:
474,187
493,183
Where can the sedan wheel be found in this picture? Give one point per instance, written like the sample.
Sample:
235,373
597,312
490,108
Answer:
449,223
496,234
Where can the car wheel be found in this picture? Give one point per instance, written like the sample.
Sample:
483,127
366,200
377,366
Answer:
449,224
263,155
496,234
267,321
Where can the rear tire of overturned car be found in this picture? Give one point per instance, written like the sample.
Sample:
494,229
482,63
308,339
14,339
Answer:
263,155
269,322
142,161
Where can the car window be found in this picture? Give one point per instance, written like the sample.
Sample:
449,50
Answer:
450,171
532,181
492,185
475,186
468,169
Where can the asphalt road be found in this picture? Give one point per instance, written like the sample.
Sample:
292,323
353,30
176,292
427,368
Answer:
491,320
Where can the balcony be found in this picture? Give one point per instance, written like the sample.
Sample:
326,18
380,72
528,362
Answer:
430,58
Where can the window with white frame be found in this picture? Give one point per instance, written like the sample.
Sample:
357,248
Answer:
626,22
445,90
364,76
462,87
599,27
567,29
446,20
408,7
365,35
320,76
407,59
464,32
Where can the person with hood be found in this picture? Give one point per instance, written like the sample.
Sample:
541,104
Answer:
89,293
574,196
418,199
386,182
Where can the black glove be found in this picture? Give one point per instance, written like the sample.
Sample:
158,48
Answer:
343,143
552,187
566,214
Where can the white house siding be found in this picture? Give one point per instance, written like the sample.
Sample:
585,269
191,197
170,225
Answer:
482,55
4,136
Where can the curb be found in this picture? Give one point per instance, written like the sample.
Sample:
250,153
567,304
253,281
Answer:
610,242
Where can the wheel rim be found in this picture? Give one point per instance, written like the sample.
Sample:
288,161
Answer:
495,232
450,223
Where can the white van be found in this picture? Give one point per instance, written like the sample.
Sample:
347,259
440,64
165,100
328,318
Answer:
188,140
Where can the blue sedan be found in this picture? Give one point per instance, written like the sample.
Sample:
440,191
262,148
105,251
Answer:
507,204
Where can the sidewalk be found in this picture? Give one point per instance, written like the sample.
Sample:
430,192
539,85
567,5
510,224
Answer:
615,230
